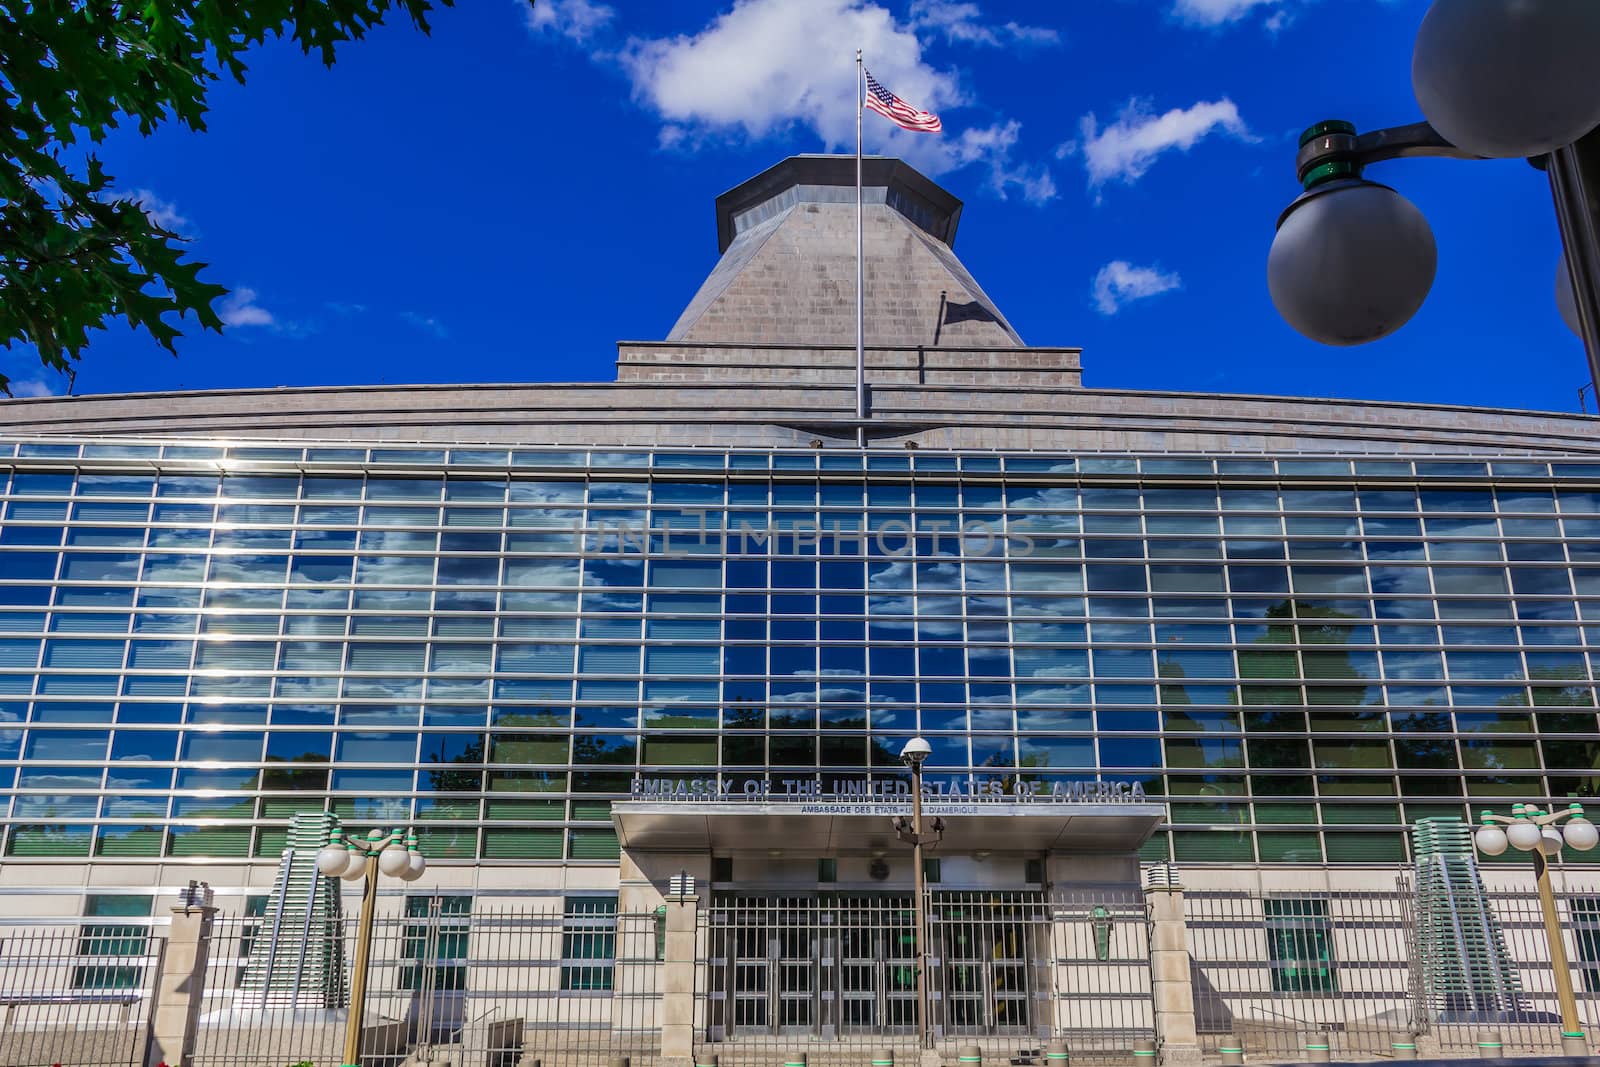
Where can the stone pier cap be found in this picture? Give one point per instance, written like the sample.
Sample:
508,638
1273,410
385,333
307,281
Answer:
829,828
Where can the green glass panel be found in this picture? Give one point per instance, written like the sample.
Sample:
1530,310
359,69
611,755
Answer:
119,841
1188,812
680,751
1269,695
524,809
592,810
1499,755
209,841
1281,812
1155,850
1352,754
1361,813
442,842
1366,848
1268,753
1211,846
49,841
271,841
593,845
1417,812
1267,664
447,808
515,843
1278,846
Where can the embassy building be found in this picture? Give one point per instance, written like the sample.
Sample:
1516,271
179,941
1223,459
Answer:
586,639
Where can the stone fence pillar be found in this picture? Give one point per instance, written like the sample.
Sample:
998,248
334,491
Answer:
679,961
181,986
1170,986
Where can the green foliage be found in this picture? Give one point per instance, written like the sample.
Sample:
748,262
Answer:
71,71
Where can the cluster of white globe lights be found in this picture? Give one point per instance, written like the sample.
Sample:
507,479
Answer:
1529,828
349,861
1497,79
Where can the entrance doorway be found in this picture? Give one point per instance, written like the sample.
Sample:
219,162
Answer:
836,965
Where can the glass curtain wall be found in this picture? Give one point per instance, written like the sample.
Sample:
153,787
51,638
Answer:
1299,655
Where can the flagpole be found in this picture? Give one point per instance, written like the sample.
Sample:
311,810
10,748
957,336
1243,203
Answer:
861,280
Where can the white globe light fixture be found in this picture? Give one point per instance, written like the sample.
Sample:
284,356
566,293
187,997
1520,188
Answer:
1352,262
1491,840
393,860
355,864
1550,841
1523,835
415,863
333,858
1509,78
1581,834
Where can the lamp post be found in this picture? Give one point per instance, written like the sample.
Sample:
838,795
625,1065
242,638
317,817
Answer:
381,852
912,755
1529,829
1352,260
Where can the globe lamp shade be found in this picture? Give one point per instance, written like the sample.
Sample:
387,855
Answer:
1581,834
1550,841
1491,840
392,861
1351,263
1509,78
1523,835
415,865
332,860
1567,297
357,868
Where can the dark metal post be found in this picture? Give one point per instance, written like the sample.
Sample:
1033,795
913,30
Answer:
920,909
1575,185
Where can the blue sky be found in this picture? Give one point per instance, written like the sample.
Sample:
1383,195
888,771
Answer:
506,199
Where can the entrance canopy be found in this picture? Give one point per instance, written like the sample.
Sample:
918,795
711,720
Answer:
832,829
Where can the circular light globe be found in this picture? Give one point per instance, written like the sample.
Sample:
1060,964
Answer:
1523,835
1509,78
1567,297
357,868
1491,840
1352,262
1581,834
1550,841
415,865
392,861
332,860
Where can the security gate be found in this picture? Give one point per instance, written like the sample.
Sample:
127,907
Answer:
989,964
831,966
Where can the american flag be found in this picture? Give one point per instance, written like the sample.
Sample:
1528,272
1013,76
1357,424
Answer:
898,111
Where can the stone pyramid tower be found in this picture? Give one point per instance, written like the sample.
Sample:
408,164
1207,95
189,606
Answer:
788,268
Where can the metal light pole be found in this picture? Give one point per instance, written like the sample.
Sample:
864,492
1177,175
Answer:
380,853
1530,830
1352,260
912,755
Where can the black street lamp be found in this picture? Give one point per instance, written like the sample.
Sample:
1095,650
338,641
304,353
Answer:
1353,260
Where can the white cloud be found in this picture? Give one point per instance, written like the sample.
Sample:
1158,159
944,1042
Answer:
770,66
1212,13
31,387
577,20
163,213
1119,283
959,23
1126,149
239,308
426,323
